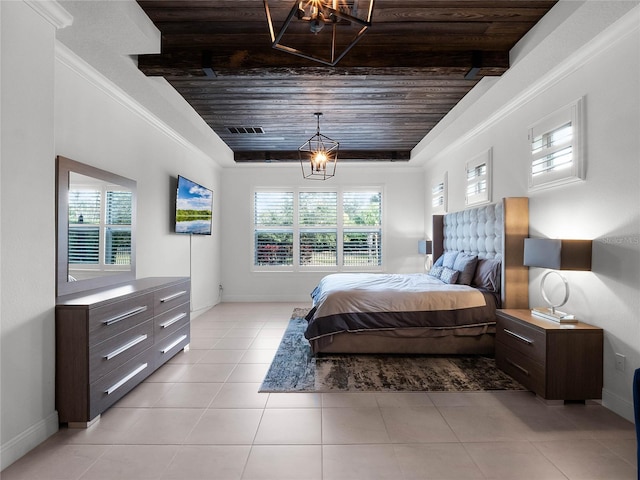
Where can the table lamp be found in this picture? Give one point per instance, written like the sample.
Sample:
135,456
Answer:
556,255
425,247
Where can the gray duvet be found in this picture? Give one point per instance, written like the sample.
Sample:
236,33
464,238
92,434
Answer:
357,302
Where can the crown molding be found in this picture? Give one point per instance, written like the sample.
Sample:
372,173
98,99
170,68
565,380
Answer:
618,31
76,64
52,12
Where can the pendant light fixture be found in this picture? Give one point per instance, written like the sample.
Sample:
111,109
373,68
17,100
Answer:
334,27
318,155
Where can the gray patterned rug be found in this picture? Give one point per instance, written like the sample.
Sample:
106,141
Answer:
295,369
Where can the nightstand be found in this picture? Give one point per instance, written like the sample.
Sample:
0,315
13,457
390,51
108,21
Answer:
556,361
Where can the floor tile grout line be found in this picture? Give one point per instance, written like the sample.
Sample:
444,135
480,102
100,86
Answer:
557,467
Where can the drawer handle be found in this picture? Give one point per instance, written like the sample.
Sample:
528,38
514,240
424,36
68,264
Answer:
522,369
171,297
175,319
519,337
122,316
116,386
126,346
166,349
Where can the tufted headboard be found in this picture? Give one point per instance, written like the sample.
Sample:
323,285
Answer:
491,231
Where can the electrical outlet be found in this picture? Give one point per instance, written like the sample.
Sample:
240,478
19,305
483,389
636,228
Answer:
620,362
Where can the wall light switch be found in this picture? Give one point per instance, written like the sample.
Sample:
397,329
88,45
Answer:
620,362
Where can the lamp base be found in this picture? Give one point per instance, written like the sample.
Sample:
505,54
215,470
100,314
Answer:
553,315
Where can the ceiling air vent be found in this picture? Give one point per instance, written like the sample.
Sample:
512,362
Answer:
245,130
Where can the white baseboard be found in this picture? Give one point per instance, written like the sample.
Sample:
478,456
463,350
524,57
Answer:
33,436
305,299
618,405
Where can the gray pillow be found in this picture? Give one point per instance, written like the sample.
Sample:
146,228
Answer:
436,271
449,275
487,274
466,264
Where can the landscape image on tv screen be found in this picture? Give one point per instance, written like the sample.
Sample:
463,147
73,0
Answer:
194,205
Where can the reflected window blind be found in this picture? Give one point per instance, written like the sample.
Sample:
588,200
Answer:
84,227
118,208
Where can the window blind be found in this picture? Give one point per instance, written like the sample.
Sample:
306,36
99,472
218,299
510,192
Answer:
362,237
555,147
317,229
273,229
318,222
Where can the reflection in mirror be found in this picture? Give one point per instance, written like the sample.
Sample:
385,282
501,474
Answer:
99,236
96,227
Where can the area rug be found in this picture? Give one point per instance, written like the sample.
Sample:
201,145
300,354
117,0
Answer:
295,369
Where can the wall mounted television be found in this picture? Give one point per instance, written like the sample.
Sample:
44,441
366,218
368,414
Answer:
194,207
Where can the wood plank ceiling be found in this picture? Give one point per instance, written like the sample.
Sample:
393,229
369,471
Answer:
415,63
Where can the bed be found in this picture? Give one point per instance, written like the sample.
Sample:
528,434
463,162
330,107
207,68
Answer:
433,312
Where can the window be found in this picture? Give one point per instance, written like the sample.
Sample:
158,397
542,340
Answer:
478,176
273,235
99,228
312,229
318,222
439,195
554,144
362,217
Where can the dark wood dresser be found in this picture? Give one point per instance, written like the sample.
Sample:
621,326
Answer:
556,361
110,339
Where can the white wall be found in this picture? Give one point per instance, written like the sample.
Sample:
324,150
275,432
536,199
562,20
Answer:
54,103
97,127
403,226
606,206
28,231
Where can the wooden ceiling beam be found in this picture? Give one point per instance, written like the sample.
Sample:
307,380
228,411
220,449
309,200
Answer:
269,62
416,62
164,12
343,156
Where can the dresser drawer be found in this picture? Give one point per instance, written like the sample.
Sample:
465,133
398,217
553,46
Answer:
110,320
525,339
113,386
110,339
521,367
170,321
166,348
171,297
116,351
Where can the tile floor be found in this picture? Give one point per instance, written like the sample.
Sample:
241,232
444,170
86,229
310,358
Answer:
200,417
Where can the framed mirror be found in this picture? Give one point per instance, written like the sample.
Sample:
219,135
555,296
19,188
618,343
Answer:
96,223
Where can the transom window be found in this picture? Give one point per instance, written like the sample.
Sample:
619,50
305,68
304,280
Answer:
478,173
555,148
312,229
439,195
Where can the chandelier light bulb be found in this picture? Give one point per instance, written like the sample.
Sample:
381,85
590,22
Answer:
319,161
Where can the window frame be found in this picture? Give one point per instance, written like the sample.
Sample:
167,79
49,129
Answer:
573,114
296,229
439,189
101,226
484,196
